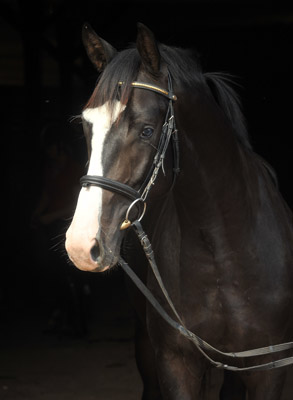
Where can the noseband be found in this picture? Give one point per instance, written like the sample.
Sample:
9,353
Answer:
169,131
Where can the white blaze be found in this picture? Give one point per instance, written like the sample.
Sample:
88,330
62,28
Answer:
102,119
81,234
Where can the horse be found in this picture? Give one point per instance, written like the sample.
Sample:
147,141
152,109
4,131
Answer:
220,230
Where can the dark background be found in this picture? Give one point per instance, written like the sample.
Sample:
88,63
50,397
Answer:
45,76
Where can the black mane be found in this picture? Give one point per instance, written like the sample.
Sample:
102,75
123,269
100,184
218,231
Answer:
184,68
228,100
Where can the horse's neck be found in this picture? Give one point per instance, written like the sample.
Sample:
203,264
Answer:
215,171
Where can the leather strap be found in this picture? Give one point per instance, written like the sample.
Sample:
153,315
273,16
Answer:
109,184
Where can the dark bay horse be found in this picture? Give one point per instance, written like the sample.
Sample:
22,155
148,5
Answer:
221,232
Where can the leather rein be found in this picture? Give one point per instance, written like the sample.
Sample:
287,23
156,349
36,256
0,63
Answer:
138,198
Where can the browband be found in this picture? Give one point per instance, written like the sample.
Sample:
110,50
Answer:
153,88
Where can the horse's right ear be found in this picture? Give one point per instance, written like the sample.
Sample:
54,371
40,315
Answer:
148,49
98,50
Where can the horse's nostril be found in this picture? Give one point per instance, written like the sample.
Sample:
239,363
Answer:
95,252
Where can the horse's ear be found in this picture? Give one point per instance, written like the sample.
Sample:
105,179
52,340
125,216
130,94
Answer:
98,50
148,49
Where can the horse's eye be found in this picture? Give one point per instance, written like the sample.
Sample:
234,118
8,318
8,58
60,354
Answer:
147,132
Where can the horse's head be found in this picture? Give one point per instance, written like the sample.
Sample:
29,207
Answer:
122,125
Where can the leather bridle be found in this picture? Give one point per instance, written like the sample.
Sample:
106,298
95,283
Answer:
168,133
138,198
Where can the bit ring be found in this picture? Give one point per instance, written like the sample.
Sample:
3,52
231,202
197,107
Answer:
132,204
126,223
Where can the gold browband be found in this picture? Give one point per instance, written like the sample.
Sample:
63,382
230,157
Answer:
153,88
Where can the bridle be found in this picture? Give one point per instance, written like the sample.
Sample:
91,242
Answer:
138,198
168,133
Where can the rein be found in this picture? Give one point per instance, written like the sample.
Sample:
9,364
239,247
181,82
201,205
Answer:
138,198
179,326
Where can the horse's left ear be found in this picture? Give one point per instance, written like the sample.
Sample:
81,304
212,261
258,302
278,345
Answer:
148,49
98,50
